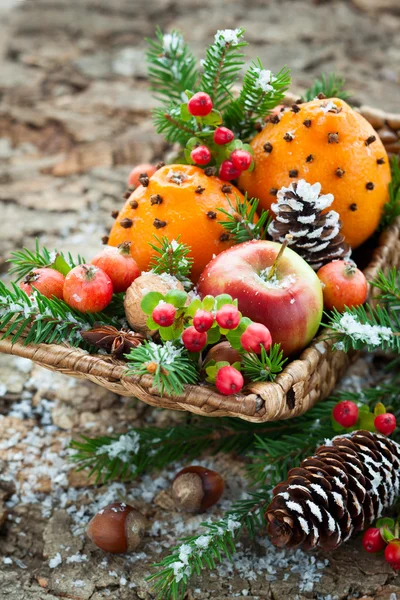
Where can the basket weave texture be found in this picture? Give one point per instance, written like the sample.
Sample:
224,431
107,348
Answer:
301,384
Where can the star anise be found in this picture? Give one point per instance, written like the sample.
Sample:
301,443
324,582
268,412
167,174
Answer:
115,342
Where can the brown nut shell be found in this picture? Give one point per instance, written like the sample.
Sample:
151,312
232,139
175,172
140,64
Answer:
117,528
195,488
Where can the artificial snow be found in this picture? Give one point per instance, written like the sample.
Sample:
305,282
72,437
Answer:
264,79
227,36
126,446
55,561
371,335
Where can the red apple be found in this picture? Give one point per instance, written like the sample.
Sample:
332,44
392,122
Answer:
289,303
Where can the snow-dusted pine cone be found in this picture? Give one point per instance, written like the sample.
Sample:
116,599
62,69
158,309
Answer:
337,492
315,236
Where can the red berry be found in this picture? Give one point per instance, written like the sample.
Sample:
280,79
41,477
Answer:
346,413
241,159
223,135
200,105
193,340
392,554
119,266
145,168
228,171
203,320
342,285
164,314
255,336
46,281
201,155
88,289
229,380
385,424
372,540
228,317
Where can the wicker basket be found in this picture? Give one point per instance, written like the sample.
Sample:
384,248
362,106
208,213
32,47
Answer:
301,384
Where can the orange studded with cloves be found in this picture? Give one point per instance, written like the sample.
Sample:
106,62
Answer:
324,141
177,201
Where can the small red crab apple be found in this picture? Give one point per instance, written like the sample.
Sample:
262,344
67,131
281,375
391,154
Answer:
229,381
223,135
392,554
385,423
372,540
255,336
228,171
164,314
193,340
241,159
88,289
145,168
119,265
203,320
200,105
46,281
346,413
342,285
200,155
228,316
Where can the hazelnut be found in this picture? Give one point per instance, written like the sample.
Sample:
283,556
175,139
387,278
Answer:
223,352
147,282
117,528
195,488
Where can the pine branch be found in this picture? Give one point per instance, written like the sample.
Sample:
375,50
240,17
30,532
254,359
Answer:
152,448
223,62
389,285
329,84
364,327
263,367
168,122
40,320
173,259
261,92
391,209
171,67
240,220
25,260
170,366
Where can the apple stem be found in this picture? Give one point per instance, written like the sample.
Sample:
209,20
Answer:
272,272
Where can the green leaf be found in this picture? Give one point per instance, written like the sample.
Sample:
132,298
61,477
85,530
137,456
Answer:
387,535
366,421
193,307
185,114
150,301
213,335
61,265
152,325
213,119
208,303
223,299
193,142
385,522
176,297
379,409
171,333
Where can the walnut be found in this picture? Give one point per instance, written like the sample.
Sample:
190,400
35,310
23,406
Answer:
147,282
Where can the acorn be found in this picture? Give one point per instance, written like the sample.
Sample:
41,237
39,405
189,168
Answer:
195,488
117,528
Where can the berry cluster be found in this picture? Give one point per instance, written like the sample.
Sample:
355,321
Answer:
348,415
217,145
203,322
88,288
384,536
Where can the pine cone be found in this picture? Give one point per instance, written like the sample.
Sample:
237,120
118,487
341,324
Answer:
336,493
315,236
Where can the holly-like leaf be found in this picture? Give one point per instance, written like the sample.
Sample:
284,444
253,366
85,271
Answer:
213,335
379,409
208,303
223,299
176,297
193,307
233,336
213,118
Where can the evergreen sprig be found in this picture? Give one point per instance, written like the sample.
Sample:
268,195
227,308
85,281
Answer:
264,366
329,84
261,92
171,66
25,260
37,319
173,258
391,209
389,286
170,366
221,66
241,223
